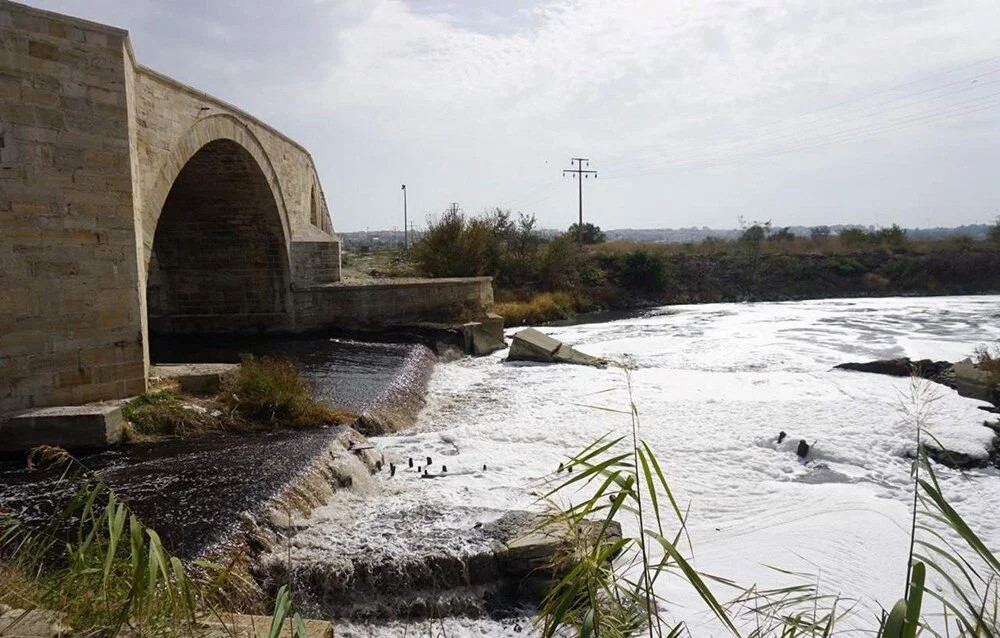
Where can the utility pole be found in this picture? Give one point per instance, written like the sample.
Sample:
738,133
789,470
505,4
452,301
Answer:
406,238
580,174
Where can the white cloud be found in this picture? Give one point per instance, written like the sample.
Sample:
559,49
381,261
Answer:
484,104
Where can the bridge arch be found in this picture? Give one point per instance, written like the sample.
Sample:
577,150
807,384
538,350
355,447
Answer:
216,236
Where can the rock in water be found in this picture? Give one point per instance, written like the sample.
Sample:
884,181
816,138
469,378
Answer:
803,449
939,371
533,345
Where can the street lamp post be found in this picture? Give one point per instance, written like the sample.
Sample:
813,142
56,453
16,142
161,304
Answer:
406,238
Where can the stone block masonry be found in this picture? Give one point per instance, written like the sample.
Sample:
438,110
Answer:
69,282
132,204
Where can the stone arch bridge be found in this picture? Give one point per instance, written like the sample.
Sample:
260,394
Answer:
132,204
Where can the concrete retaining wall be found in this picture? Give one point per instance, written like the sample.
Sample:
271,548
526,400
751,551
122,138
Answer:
399,302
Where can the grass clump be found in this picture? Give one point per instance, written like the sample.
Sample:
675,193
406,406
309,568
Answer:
165,413
267,393
271,392
540,308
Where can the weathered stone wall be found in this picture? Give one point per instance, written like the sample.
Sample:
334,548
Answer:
399,302
70,316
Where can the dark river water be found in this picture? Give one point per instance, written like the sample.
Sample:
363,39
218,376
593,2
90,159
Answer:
193,492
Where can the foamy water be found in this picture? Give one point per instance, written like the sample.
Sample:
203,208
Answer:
714,385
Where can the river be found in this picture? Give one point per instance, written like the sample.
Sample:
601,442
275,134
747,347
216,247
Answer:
714,385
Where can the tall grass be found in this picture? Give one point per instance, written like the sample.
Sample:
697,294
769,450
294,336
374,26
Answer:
108,574
612,588
540,308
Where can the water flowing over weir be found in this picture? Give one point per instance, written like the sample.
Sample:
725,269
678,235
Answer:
714,385
207,495
382,381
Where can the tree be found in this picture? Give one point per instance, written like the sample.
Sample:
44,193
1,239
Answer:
993,233
750,241
893,235
588,234
819,232
783,234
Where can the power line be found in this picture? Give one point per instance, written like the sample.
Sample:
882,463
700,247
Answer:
830,114
579,174
863,131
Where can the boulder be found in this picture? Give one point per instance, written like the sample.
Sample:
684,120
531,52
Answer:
974,383
939,371
533,345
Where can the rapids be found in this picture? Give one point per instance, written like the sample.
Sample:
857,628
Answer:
714,384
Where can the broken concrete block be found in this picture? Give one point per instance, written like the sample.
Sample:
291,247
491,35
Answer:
974,383
483,337
197,378
72,427
532,345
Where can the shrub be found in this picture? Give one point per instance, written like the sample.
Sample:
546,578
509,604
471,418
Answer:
846,266
270,391
493,244
547,306
874,282
892,236
559,263
993,232
785,234
819,232
455,246
988,359
587,234
854,237
644,271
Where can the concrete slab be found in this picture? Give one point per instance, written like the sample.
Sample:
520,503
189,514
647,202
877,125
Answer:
196,378
84,427
533,345
974,383
483,337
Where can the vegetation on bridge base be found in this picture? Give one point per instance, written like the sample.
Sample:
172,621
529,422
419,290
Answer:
267,393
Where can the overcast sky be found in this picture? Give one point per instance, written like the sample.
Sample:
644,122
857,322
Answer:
694,112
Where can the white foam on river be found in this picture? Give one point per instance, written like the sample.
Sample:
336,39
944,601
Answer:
714,384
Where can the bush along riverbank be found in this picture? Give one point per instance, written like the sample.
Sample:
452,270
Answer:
539,280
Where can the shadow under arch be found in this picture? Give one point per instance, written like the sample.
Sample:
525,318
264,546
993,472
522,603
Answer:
218,256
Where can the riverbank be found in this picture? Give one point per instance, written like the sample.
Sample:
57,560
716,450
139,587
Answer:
637,276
